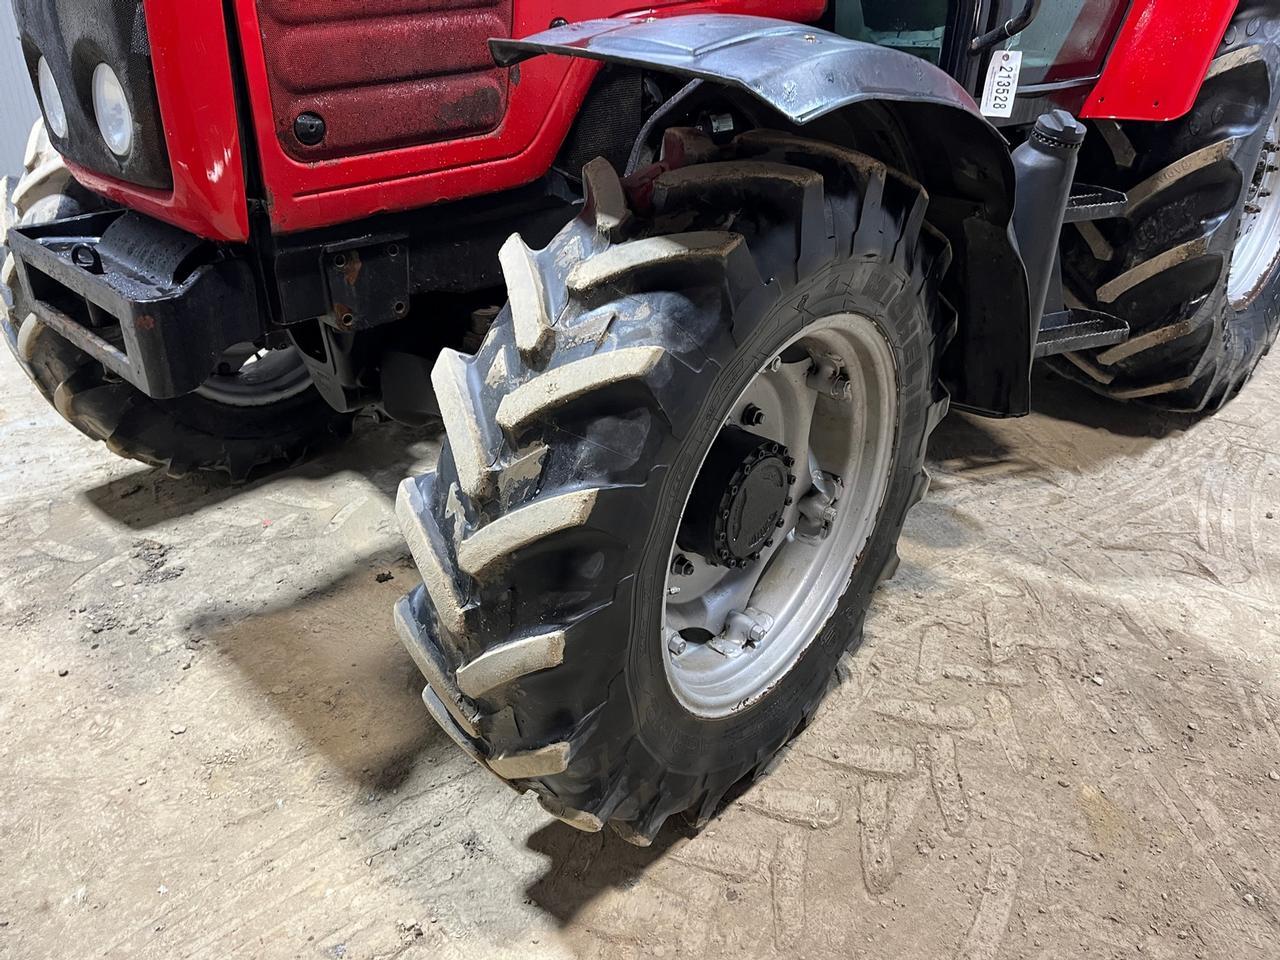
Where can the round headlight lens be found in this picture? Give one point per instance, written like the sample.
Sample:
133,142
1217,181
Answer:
55,115
111,107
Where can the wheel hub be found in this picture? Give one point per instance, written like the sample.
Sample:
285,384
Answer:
1257,248
249,376
739,499
779,514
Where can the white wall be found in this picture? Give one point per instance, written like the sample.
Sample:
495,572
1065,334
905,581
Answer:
18,108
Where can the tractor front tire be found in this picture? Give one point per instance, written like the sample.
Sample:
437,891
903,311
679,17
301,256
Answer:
595,405
1194,264
242,423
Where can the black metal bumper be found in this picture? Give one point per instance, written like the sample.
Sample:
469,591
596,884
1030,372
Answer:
153,304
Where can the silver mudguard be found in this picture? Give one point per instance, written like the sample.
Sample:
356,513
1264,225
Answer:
805,75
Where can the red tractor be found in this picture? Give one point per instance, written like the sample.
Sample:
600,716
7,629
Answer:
748,264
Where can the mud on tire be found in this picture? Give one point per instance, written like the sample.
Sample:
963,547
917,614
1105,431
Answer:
543,536
1166,266
193,432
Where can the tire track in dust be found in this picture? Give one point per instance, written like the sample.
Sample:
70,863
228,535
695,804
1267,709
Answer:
787,890
927,714
812,810
877,852
948,787
999,676
929,660
1001,710
1058,692
727,859
891,761
982,942
1226,494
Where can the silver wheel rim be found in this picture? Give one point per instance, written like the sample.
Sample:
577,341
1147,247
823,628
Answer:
731,635
1258,241
247,376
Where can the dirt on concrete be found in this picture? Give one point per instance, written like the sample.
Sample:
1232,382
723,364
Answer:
1060,738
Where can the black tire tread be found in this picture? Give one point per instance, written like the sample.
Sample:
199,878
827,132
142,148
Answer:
1163,266
465,619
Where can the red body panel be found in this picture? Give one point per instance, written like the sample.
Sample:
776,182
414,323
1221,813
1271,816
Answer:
197,98
436,122
198,108
542,101
384,73
1159,59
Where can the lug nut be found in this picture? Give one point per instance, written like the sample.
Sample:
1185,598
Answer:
681,565
676,644
753,416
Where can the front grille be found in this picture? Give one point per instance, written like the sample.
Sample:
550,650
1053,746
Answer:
75,36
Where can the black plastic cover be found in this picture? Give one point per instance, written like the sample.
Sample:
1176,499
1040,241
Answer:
153,304
75,36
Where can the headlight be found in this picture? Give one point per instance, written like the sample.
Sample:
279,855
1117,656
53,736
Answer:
55,115
111,107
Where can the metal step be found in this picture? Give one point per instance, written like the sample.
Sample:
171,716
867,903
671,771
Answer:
1079,330
1088,202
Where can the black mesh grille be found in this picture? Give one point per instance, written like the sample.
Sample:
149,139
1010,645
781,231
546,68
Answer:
606,125
75,36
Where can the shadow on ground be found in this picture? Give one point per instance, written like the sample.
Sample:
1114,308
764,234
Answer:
585,866
329,663
1052,395
382,453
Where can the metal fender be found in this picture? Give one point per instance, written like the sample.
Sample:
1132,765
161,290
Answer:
890,104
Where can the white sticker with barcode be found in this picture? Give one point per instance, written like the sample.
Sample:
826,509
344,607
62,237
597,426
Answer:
1002,83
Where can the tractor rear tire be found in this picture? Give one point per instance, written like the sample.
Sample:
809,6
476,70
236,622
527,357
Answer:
574,435
1194,264
238,424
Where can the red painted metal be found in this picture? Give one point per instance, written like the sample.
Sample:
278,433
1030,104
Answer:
542,101
198,108
1159,60
409,71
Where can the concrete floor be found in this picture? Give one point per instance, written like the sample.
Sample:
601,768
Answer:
1060,739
